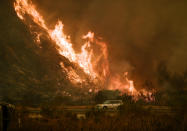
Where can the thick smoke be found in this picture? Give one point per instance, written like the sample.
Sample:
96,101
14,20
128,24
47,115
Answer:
140,34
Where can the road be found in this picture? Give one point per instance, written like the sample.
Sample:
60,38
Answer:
81,111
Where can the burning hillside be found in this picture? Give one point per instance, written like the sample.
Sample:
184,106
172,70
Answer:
93,58
93,65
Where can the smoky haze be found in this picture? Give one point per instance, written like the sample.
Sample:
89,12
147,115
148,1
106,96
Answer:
139,34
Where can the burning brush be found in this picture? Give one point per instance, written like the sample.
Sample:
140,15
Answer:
94,63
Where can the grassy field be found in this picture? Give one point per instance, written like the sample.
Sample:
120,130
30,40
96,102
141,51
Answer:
128,119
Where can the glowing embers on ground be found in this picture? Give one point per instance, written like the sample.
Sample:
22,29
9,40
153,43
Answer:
94,63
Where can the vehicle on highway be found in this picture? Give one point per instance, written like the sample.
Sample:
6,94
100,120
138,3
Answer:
109,104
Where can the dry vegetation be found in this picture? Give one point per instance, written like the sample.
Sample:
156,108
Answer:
133,118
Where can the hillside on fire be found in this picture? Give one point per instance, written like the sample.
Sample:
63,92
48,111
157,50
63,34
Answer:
27,71
34,66
66,58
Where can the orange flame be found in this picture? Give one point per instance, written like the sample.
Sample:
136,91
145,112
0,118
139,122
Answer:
83,59
94,65
124,85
